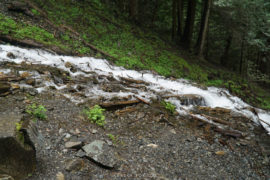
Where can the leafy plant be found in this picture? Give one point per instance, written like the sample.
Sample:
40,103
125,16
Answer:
95,115
18,126
37,111
169,106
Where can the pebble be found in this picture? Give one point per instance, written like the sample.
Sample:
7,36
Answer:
94,131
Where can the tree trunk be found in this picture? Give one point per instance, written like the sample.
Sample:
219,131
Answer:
224,57
242,57
180,18
188,32
154,15
133,9
203,28
174,16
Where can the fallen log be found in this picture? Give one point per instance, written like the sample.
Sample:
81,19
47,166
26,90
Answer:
25,42
119,103
216,119
232,133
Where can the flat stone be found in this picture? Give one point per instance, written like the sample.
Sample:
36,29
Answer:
17,152
101,153
80,153
73,145
74,165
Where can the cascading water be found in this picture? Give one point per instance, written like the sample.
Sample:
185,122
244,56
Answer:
156,85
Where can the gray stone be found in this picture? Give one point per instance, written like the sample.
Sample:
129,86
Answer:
80,153
101,153
73,145
192,99
17,152
74,165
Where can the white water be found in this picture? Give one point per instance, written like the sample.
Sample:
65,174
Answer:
214,97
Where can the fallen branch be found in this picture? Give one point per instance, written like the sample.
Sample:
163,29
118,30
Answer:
232,133
216,119
125,111
144,101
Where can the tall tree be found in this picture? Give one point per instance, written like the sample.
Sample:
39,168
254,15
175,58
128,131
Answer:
189,25
180,10
203,28
133,9
174,17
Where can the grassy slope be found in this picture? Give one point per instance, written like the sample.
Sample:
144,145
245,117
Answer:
131,46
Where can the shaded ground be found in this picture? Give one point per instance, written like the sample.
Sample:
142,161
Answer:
150,143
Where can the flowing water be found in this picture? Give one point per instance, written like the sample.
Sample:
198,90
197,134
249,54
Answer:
155,86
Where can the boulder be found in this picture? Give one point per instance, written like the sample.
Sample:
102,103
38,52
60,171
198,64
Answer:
4,88
17,152
191,99
101,153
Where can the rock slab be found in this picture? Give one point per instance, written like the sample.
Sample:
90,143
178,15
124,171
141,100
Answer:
17,158
101,153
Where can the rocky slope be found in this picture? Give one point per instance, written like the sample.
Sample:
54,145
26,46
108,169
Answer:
141,139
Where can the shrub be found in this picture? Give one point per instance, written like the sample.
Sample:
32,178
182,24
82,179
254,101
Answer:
95,115
169,106
37,111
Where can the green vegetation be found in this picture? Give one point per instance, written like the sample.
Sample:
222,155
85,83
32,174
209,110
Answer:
38,112
18,126
169,106
95,115
113,138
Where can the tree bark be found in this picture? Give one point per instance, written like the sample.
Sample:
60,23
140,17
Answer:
180,18
224,57
242,57
133,9
203,28
174,16
188,32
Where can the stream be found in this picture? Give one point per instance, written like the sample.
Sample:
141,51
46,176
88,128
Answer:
147,85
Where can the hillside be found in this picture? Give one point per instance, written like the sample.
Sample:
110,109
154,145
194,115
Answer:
93,30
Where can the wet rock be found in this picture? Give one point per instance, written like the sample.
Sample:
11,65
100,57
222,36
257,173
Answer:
71,66
11,55
192,99
101,153
6,177
31,82
74,165
58,80
17,152
4,88
73,145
